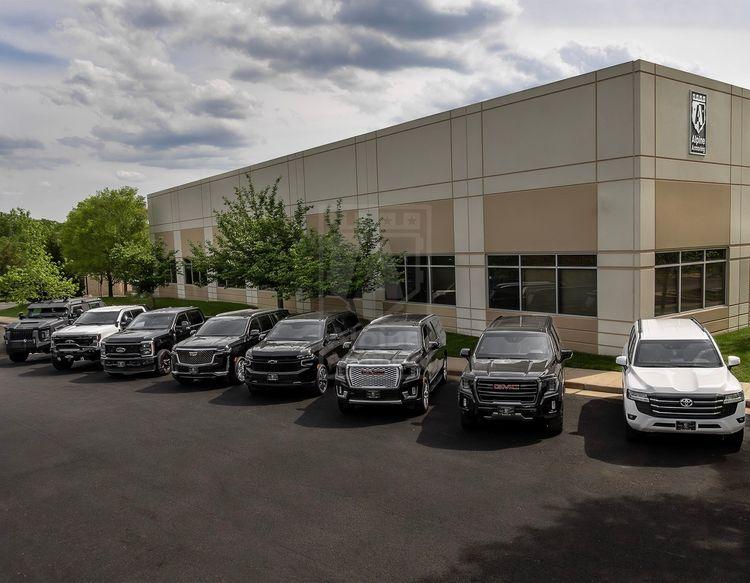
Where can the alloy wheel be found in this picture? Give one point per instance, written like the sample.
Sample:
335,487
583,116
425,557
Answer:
239,369
322,379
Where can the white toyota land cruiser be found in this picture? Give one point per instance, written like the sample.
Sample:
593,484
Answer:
674,381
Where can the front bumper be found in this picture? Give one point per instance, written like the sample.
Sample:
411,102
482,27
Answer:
649,424
305,376
129,366
407,392
544,407
28,345
83,353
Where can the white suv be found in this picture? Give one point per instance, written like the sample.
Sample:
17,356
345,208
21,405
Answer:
674,381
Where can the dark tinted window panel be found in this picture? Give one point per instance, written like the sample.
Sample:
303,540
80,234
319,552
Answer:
665,290
576,260
265,323
716,284
444,285
538,290
691,297
690,256
417,284
538,260
504,291
667,258
195,317
502,260
443,260
577,292
417,260
396,291
716,254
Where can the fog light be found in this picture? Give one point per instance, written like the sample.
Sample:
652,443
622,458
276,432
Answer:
405,394
414,391
740,419
631,416
553,406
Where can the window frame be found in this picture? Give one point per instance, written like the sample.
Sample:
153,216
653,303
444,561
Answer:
423,260
704,263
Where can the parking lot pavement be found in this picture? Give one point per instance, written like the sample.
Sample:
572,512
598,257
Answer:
143,479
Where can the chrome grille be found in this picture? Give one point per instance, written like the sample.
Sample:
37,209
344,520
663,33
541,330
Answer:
505,391
198,356
20,334
701,406
374,376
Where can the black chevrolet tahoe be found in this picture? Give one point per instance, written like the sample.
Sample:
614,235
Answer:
301,351
217,349
397,360
515,372
32,333
146,345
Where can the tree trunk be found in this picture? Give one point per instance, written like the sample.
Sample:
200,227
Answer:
125,287
110,285
279,301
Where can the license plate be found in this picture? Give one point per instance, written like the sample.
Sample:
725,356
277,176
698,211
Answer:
685,426
273,376
121,364
506,410
373,394
193,369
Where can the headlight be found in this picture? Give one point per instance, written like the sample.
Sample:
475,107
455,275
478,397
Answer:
147,348
737,397
43,334
304,354
102,349
224,350
637,396
466,383
550,386
341,371
411,372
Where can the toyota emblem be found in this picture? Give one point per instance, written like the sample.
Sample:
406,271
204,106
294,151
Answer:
686,402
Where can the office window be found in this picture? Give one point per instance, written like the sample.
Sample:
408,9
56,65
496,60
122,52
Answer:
192,276
552,284
236,282
689,280
429,279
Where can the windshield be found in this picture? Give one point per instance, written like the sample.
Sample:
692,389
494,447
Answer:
97,318
388,339
223,327
47,312
677,353
301,330
514,346
152,321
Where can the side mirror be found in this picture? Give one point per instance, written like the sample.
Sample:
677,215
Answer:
262,336
465,353
332,337
622,360
565,355
192,332
347,345
433,345
254,333
733,361
21,315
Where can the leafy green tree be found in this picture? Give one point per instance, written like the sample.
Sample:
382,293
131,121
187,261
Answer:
253,240
329,264
145,265
99,223
38,278
21,237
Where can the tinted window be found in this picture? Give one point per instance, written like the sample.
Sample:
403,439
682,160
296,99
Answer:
182,319
223,327
152,321
302,330
351,320
382,338
195,317
538,290
255,324
334,327
97,318
265,323
47,312
666,284
677,353
514,345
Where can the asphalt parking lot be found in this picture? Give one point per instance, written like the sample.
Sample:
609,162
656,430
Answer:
146,480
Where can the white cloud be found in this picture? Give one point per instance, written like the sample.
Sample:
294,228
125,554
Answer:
130,176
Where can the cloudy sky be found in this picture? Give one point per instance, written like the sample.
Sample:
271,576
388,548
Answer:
153,93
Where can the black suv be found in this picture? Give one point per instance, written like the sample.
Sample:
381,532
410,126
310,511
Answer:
397,360
146,345
217,349
301,351
33,331
515,372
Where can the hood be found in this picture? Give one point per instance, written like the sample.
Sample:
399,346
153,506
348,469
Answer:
34,323
135,336
91,330
273,348
380,356
502,366
207,342
683,380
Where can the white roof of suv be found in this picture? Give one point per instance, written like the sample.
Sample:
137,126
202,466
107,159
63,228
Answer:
114,308
671,329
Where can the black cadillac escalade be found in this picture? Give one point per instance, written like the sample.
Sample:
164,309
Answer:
515,372
217,349
146,344
301,351
33,331
397,360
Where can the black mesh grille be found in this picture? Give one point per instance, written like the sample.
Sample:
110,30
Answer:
21,334
203,356
281,364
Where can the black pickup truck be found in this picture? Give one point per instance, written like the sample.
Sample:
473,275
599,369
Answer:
217,349
32,333
515,372
397,360
146,345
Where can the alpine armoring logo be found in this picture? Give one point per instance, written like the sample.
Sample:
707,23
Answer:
698,121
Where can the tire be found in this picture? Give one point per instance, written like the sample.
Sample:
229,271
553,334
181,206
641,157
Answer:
18,356
163,362
469,421
321,380
423,403
237,371
345,407
734,441
62,364
444,372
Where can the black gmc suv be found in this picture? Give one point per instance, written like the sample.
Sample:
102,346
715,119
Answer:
301,351
146,344
515,372
217,349
33,331
397,360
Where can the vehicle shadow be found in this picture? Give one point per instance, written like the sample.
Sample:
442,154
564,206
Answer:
238,396
666,538
166,385
602,427
323,413
34,359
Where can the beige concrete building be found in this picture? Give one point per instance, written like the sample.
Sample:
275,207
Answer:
579,198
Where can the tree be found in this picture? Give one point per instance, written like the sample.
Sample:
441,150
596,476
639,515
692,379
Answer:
39,278
145,265
329,264
21,237
99,223
253,240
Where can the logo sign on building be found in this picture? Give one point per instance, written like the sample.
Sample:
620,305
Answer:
697,123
